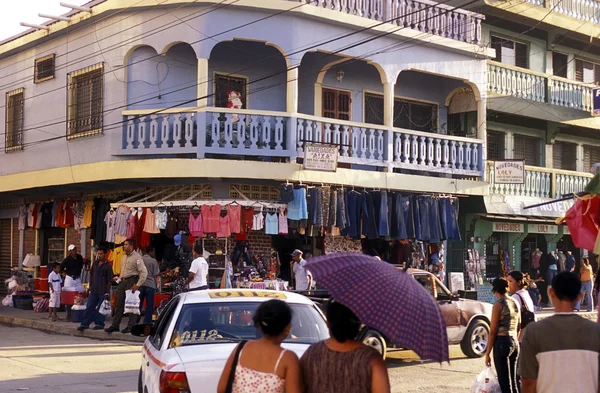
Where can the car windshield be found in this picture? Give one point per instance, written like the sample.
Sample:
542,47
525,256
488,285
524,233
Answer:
204,323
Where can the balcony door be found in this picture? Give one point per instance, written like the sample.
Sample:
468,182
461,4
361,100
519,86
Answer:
336,104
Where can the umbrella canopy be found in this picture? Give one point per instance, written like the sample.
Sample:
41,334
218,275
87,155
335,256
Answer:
387,299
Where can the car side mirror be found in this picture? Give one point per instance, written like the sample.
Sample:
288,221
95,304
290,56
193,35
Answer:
142,330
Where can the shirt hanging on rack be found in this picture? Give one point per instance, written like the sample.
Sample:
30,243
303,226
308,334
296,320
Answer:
235,220
258,222
210,218
150,224
88,213
224,227
78,213
161,219
247,219
30,210
132,223
109,221
283,222
271,224
121,220
171,229
297,209
195,224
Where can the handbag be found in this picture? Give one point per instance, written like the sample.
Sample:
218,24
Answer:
527,316
233,367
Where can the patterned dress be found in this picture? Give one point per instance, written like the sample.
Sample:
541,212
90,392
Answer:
248,380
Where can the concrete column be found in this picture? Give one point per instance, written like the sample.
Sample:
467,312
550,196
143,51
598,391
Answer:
549,153
202,95
482,135
83,241
509,143
388,104
203,81
318,109
292,90
580,159
549,63
21,245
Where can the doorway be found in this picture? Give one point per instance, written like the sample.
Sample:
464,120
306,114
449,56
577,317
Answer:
285,245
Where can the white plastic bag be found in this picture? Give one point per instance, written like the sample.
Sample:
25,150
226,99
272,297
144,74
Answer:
132,302
105,308
486,382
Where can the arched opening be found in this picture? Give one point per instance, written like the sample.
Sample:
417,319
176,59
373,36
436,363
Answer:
420,102
255,70
462,113
159,81
339,87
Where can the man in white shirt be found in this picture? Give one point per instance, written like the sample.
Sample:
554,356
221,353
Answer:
302,276
198,278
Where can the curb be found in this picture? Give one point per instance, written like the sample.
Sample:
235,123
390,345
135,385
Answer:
49,327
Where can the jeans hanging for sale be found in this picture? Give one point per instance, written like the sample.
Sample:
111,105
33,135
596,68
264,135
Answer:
342,213
435,228
408,208
370,229
399,212
356,210
380,201
453,220
416,217
424,205
315,206
444,213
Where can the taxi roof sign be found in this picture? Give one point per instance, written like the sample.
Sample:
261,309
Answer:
246,293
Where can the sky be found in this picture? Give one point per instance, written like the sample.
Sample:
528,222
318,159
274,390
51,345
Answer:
27,11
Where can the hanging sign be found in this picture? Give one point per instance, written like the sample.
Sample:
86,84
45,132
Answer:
543,228
509,172
320,158
508,227
596,102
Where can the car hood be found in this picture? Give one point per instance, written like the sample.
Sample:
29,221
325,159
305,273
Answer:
204,363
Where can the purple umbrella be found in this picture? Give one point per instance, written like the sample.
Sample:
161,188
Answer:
387,299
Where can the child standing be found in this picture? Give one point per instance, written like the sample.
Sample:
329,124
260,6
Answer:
54,284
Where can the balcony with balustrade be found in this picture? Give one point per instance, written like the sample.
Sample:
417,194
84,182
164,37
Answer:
509,81
542,183
276,117
424,16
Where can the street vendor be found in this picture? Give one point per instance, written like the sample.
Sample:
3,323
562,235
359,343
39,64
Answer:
301,275
72,266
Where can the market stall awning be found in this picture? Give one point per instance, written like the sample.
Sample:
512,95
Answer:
512,205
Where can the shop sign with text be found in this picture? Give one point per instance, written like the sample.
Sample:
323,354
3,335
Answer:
509,172
543,228
508,227
320,158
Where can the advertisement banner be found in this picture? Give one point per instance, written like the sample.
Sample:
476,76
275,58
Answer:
320,158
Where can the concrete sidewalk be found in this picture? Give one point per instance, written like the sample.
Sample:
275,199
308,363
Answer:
24,318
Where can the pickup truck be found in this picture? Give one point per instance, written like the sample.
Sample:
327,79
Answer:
467,321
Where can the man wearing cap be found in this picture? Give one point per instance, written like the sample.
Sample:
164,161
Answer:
301,275
133,275
72,264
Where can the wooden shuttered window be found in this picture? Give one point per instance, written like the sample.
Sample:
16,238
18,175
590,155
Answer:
564,156
527,148
560,64
591,155
14,119
510,52
587,72
336,104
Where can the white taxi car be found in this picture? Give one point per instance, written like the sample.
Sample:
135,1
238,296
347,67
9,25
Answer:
187,347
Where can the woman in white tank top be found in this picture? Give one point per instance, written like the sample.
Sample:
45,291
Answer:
263,366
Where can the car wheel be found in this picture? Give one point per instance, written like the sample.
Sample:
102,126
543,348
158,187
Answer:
475,342
140,383
376,341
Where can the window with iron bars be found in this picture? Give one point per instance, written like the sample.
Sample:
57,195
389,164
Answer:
44,68
564,156
15,114
85,102
527,148
591,156
495,145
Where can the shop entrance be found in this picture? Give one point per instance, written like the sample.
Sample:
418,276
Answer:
528,247
495,248
53,245
5,230
285,246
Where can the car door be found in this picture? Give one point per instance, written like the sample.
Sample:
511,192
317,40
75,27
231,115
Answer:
153,353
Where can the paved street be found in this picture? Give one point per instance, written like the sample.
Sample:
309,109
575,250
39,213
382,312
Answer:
37,362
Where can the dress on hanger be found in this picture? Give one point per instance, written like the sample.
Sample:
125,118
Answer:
195,225
234,213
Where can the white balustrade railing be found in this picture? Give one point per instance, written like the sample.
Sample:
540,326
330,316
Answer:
245,133
437,153
570,94
541,183
227,132
587,10
422,15
160,133
359,143
536,2
570,184
509,81
537,184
